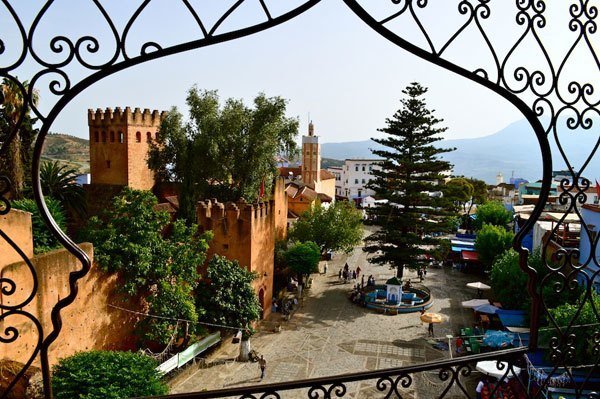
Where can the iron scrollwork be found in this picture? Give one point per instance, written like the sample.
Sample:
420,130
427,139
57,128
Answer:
545,95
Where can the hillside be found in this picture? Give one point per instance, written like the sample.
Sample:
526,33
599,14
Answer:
514,149
66,149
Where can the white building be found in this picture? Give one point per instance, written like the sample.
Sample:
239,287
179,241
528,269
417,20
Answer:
352,178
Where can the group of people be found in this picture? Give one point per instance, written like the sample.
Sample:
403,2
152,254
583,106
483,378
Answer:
346,275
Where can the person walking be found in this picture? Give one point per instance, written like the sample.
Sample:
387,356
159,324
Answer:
262,364
430,330
353,274
340,274
325,269
358,270
362,281
479,389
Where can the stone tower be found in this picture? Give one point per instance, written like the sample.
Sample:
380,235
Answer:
119,146
499,178
311,157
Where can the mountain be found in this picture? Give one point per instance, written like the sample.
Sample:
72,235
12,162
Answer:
513,150
70,150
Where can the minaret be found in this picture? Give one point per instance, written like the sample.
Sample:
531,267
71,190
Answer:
499,178
311,157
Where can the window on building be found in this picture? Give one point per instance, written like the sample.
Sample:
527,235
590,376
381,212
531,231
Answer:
108,164
96,136
356,168
156,136
363,181
363,167
112,136
148,137
225,247
121,137
355,181
138,137
370,168
359,193
104,137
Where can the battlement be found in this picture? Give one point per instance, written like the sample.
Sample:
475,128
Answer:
118,116
240,211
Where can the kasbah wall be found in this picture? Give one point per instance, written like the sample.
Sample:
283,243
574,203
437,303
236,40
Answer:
88,323
246,233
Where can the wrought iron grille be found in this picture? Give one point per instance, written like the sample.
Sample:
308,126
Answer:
549,98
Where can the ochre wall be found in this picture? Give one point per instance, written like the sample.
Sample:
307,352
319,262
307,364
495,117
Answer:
280,208
327,186
245,233
88,323
16,225
299,205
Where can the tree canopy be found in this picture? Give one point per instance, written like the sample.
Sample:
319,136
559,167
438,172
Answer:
227,294
337,227
303,257
491,242
493,212
408,179
226,151
129,239
58,181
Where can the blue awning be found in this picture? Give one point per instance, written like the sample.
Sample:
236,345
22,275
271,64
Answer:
512,318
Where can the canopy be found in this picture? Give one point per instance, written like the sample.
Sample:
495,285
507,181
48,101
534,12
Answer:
512,318
473,303
432,318
472,256
498,339
478,285
490,367
487,308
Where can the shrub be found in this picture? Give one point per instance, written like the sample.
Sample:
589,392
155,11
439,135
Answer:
106,375
491,242
494,213
43,239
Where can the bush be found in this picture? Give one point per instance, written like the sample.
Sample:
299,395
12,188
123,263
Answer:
106,375
491,242
494,213
303,258
43,239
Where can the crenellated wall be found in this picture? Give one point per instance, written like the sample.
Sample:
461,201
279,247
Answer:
246,233
119,146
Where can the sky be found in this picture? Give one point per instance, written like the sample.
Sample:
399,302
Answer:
332,68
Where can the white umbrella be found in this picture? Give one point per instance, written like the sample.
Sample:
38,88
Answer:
473,303
478,285
490,367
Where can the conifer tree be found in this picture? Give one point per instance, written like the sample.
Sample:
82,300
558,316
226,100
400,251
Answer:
410,176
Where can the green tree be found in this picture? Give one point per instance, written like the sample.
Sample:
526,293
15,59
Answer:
107,375
227,294
224,151
337,227
480,193
129,239
460,191
58,182
43,239
17,164
411,169
303,258
509,282
491,242
492,212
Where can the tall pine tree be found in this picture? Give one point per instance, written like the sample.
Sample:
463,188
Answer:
410,175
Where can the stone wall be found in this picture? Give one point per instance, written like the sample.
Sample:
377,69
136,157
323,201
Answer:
88,323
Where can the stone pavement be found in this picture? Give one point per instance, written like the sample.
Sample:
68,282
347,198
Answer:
329,335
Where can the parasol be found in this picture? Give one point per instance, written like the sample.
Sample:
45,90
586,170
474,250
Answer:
473,303
432,318
478,285
490,367
487,308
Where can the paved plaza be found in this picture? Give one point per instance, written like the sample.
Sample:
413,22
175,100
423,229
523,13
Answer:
329,335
